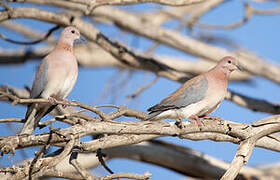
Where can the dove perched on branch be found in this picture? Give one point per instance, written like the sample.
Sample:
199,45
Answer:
198,96
54,80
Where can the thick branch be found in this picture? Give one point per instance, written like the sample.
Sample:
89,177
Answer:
152,130
244,152
180,159
183,160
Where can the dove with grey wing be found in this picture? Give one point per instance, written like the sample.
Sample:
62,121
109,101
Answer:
54,79
198,96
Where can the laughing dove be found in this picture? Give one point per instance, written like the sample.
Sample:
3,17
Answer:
198,96
55,78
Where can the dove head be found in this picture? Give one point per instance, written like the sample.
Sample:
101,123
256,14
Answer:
228,64
69,35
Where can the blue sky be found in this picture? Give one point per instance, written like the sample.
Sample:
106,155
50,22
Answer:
260,34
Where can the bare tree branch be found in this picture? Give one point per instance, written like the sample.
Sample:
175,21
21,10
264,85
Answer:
143,88
120,139
244,152
180,159
240,131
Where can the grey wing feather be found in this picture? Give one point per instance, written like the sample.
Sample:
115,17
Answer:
39,84
194,92
41,79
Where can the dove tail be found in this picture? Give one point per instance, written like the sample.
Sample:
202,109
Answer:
153,116
33,116
30,121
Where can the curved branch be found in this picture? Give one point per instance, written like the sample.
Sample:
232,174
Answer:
50,31
26,31
201,11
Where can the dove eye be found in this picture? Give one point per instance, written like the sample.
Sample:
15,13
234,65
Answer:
229,61
73,32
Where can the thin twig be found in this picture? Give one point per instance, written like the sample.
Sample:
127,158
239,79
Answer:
39,155
17,100
101,114
100,156
10,120
249,12
67,149
31,42
66,118
6,6
143,88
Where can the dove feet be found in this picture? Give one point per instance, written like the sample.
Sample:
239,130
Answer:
52,100
198,119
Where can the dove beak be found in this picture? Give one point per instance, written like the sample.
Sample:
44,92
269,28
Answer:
81,40
239,68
